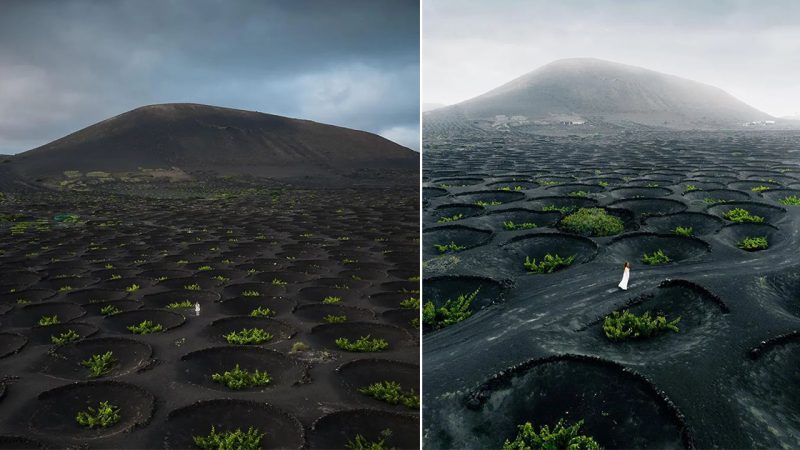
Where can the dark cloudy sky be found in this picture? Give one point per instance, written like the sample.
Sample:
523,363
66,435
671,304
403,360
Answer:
67,64
750,48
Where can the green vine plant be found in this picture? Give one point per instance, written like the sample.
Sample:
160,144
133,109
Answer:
792,200
562,437
362,443
741,215
247,336
330,318
145,327
511,226
392,393
656,258
46,321
104,416
363,344
239,378
453,311
451,247
625,325
230,440
752,244
100,365
684,231
592,222
261,311
548,264
64,337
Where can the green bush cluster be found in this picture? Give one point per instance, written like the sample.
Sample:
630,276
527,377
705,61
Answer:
392,393
752,244
230,440
109,310
145,327
363,344
562,437
624,325
452,218
740,215
410,303
99,365
239,378
484,204
592,222
248,336
548,264
760,188
331,300
656,258
452,312
104,416
684,231
180,305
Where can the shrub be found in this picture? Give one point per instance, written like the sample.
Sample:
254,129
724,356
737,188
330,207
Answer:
791,200
684,231
690,188
752,244
361,443
760,188
192,287
248,336
392,393
740,215
484,204
656,258
230,440
132,288
180,305
452,218
251,293
451,247
578,194
410,303
99,365
298,347
204,268
109,310
549,264
330,318
279,282
592,222
626,325
239,378
362,344
261,312
65,337
331,300
104,416
145,327
714,201
509,225
562,209
453,311
561,438
45,321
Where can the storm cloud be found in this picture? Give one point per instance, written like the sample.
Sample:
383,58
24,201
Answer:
748,48
65,65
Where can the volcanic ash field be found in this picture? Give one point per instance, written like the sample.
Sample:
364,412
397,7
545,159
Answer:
307,298
710,224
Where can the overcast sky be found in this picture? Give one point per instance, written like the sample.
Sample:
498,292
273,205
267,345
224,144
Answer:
751,49
68,64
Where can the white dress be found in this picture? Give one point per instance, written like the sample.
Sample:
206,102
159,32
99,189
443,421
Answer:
625,275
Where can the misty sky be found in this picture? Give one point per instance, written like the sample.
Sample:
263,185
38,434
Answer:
65,65
751,49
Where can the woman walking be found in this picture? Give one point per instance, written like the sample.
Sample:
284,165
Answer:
626,274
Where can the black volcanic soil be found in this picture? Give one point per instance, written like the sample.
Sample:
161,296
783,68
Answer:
534,349
234,246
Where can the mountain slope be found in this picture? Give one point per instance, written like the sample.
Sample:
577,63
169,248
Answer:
603,93
196,137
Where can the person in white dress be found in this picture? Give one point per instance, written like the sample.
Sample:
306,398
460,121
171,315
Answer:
626,274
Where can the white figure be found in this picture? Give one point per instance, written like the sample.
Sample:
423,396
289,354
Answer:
196,308
626,274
